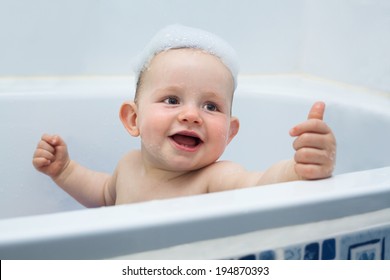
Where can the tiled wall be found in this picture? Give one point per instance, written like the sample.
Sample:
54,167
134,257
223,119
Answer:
369,244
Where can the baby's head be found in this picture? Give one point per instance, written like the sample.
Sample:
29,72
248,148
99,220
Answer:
182,109
183,37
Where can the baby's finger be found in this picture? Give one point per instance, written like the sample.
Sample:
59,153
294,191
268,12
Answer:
47,138
311,126
312,171
53,140
310,140
317,111
42,153
40,162
312,156
44,145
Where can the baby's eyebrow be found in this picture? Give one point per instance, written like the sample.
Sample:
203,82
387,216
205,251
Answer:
175,88
213,95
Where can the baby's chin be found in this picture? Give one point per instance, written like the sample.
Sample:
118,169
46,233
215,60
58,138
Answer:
178,163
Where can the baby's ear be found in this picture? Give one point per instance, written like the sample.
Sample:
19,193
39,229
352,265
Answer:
128,115
234,127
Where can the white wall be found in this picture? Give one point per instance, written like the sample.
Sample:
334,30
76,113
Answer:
46,37
348,40
345,40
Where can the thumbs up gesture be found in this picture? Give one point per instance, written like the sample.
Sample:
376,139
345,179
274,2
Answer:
315,146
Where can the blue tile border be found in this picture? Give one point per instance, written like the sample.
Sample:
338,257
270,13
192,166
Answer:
293,253
312,251
369,244
328,249
248,257
370,250
267,255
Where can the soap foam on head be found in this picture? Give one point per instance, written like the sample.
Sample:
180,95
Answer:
179,36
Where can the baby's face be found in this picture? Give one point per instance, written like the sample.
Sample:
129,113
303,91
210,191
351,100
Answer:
184,110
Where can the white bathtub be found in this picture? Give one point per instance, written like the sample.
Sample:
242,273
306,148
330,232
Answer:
346,216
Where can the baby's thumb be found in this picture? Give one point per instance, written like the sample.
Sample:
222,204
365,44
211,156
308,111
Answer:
57,141
317,111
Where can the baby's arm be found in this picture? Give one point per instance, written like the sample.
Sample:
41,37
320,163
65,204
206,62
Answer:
315,154
315,147
90,188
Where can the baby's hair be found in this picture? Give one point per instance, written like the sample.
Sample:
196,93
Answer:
138,86
179,37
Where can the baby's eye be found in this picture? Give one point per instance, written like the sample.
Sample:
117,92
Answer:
171,100
210,107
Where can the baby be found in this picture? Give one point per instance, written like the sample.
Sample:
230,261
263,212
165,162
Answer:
182,113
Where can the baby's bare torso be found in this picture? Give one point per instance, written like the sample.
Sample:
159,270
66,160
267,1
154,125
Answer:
133,183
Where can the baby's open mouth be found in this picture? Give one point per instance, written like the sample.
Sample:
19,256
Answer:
186,140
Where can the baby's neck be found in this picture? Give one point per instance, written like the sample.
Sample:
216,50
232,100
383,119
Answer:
158,173
162,175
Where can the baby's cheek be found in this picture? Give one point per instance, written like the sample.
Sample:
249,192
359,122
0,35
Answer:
222,142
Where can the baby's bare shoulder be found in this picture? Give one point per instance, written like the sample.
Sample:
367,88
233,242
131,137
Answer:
227,175
132,157
127,181
225,166
129,164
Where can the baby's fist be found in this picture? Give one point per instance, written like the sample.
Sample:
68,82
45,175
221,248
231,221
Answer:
51,155
315,146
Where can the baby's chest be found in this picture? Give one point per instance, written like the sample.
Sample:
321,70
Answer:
141,189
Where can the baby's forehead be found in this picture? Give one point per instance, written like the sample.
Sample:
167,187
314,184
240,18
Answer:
184,54
182,37
172,67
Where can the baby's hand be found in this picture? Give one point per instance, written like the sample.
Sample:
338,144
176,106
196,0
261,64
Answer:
315,146
51,156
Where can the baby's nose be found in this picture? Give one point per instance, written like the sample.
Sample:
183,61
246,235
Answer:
190,115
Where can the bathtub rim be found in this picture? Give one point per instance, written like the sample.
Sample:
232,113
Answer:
204,217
